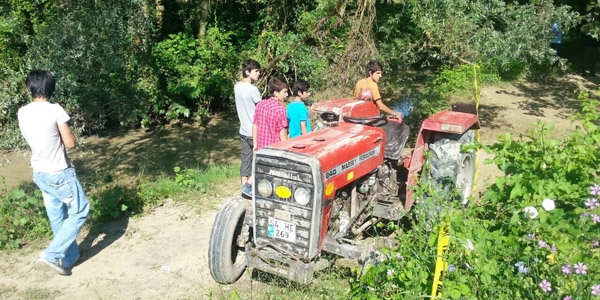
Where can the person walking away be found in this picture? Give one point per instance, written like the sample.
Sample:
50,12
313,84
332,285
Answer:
297,113
374,72
44,127
246,97
556,41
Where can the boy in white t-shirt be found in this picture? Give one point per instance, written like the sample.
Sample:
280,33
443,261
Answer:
44,127
246,98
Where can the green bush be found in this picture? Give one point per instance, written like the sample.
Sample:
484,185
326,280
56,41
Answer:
198,73
22,216
99,53
460,80
535,235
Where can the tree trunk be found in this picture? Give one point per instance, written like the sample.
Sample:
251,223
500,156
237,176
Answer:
204,9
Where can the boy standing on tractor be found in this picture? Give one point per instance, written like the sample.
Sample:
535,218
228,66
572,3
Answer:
44,127
297,114
246,97
373,73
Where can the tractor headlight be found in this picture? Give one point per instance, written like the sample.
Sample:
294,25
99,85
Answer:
264,188
302,196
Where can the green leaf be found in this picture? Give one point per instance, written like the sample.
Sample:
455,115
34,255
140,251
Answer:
17,194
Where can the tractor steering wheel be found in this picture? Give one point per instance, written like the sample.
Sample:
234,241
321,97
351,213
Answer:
369,121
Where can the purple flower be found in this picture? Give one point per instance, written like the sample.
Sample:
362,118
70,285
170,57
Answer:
568,298
595,218
390,272
566,269
546,286
451,268
399,256
592,203
543,244
580,268
553,248
595,242
521,268
519,264
595,189
596,289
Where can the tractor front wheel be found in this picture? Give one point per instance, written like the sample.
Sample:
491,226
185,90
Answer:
451,171
227,259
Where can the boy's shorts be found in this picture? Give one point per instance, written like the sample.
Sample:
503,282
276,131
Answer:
247,154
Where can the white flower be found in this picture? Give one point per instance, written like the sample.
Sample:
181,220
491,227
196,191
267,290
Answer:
469,245
531,212
548,204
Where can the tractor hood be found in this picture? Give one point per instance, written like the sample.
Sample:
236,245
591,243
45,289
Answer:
345,152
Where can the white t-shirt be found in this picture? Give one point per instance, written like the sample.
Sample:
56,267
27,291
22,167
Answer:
246,97
39,122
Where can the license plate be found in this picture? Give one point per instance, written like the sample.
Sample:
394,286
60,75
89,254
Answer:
282,230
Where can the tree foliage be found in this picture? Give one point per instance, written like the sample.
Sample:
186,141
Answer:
139,62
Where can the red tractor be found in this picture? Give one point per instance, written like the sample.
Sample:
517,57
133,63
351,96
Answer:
324,191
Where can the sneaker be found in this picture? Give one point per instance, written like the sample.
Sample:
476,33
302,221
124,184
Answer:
55,266
247,190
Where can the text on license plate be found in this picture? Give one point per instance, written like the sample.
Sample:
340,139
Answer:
281,230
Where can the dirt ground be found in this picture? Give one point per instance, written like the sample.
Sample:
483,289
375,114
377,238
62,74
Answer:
163,254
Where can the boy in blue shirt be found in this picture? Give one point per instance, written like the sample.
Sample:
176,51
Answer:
296,111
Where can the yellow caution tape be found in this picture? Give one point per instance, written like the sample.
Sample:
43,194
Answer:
476,92
441,265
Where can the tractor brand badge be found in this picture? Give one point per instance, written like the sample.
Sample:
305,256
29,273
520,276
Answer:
341,168
284,174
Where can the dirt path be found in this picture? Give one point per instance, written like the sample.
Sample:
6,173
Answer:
162,255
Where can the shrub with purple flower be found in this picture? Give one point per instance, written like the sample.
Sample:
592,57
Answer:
596,289
595,189
521,268
591,203
546,286
566,269
580,268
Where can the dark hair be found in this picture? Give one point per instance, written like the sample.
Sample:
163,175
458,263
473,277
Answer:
249,65
40,83
372,67
276,85
300,86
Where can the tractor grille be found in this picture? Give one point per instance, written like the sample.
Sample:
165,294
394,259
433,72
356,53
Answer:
285,176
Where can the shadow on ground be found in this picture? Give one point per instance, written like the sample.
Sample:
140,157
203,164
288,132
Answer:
556,93
100,236
151,153
552,100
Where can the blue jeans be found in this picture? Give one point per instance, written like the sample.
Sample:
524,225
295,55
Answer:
67,208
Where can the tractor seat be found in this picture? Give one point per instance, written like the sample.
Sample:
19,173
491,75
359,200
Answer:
396,135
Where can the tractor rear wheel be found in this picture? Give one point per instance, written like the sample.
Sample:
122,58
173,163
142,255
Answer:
227,259
451,171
